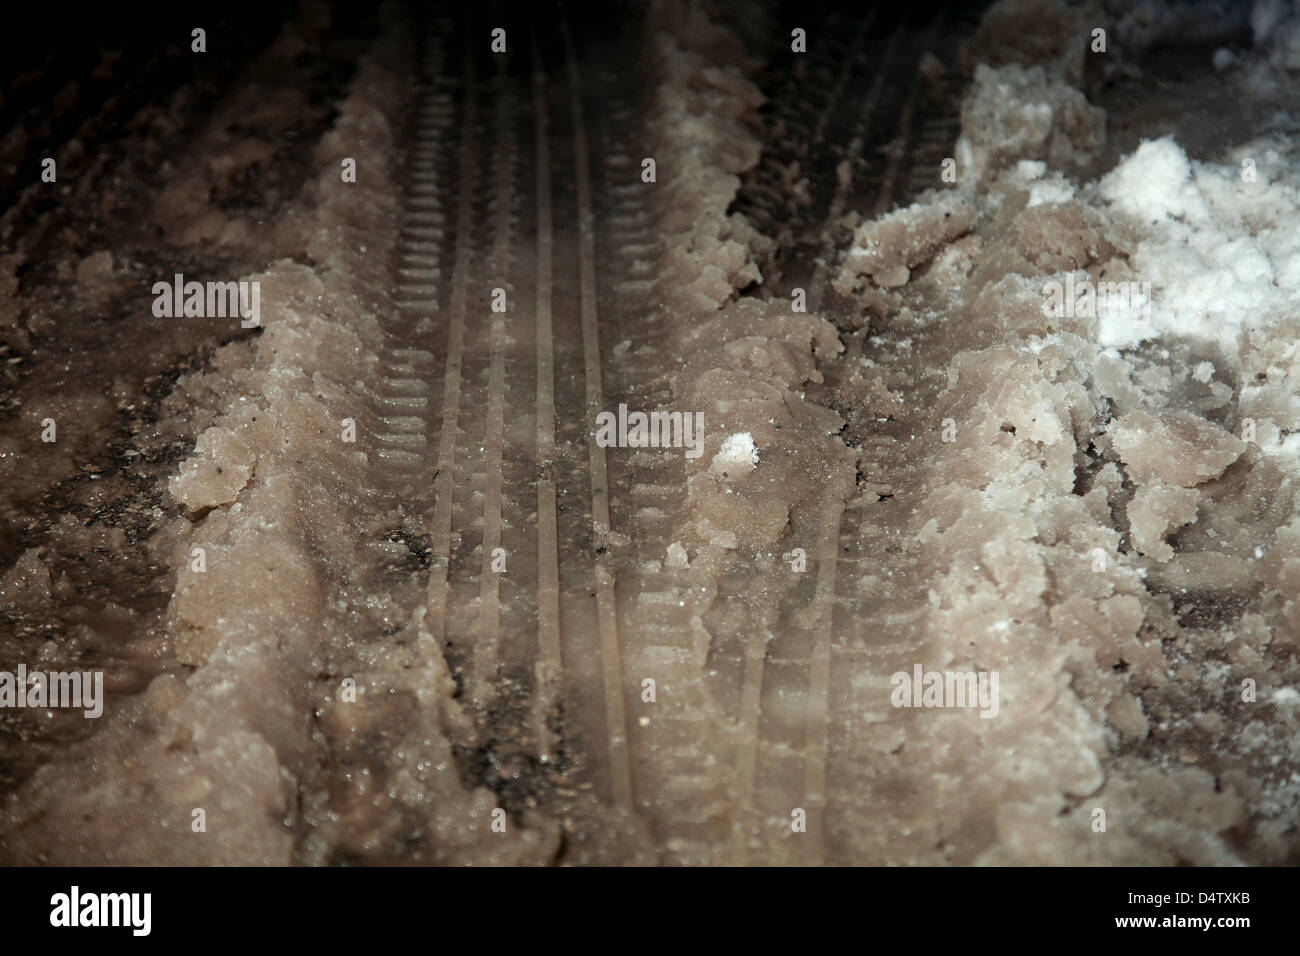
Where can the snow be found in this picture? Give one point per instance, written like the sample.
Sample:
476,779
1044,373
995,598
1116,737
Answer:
1051,190
738,455
1221,252
1155,183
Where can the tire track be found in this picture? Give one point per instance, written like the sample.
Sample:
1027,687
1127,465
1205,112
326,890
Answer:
791,706
767,199
488,638
620,774
675,735
820,614
444,481
751,701
830,229
863,634
550,664
400,403
897,149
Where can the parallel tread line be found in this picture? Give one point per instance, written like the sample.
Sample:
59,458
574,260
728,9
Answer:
817,712
549,657
445,476
620,771
487,647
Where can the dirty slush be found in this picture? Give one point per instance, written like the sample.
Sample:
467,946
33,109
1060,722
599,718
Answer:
699,433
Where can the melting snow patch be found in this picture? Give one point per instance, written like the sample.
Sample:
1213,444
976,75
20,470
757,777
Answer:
738,456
